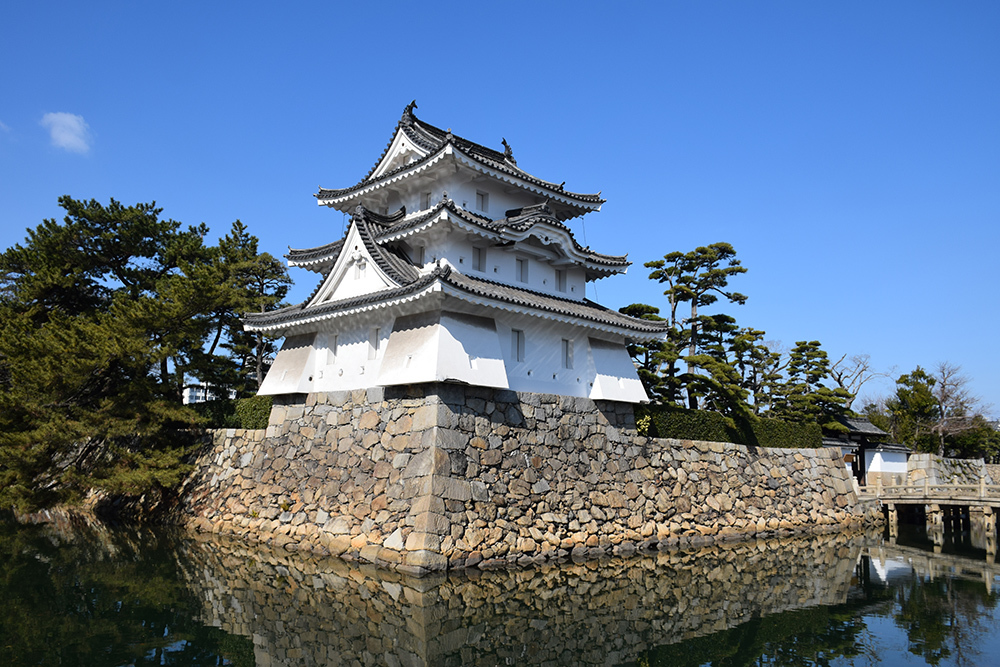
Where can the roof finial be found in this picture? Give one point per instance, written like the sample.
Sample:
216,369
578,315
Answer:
507,151
408,111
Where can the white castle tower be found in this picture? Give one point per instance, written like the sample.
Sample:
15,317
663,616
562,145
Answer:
457,266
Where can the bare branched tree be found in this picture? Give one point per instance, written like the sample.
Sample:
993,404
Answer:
851,373
957,406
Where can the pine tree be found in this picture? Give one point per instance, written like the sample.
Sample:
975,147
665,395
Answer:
103,318
697,278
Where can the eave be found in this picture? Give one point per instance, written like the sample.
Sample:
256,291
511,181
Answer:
578,204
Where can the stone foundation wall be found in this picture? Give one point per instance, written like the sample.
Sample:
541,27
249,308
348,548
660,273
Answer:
445,476
940,470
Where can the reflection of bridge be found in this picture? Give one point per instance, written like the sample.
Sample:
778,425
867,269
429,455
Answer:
947,507
937,565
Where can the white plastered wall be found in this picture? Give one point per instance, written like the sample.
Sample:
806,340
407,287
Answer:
443,347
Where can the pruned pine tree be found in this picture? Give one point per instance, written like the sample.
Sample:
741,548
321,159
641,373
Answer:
261,283
804,396
651,359
697,278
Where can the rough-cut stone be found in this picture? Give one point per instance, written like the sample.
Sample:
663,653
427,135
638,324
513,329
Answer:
433,461
450,470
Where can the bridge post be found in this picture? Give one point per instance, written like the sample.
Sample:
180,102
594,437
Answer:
893,520
935,525
990,534
935,516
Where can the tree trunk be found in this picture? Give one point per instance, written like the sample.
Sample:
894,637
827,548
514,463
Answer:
692,349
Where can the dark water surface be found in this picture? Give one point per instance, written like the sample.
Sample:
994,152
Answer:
83,594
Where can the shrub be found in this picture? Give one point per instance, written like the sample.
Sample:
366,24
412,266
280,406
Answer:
253,412
660,421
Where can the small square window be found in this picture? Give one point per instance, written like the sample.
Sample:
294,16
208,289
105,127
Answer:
567,353
479,259
483,201
418,255
517,345
561,280
521,270
425,200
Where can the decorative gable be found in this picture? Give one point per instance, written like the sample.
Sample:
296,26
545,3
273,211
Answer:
402,151
354,273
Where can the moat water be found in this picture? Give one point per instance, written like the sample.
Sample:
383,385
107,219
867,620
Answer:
84,594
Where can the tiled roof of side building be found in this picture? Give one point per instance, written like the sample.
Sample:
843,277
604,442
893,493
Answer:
861,426
433,139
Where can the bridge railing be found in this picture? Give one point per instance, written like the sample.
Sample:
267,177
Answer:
926,490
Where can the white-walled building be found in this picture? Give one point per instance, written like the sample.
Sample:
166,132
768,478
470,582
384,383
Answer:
457,266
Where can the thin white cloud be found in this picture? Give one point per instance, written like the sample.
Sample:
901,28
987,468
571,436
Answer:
3,127
68,131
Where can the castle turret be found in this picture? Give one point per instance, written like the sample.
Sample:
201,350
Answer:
457,266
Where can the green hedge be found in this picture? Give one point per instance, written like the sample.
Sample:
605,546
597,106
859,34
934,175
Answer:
682,424
252,412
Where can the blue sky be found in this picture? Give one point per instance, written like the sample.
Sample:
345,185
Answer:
850,151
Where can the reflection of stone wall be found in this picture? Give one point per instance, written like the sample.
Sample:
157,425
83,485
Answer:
309,611
444,476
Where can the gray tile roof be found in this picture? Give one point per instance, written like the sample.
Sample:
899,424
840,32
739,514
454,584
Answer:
467,285
434,139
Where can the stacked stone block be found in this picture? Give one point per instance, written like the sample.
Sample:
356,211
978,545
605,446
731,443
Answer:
444,476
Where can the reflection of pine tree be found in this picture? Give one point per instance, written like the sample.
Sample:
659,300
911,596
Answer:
941,618
99,597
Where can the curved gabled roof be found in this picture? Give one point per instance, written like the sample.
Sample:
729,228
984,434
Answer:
520,223
389,260
314,258
436,141
475,290
531,300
